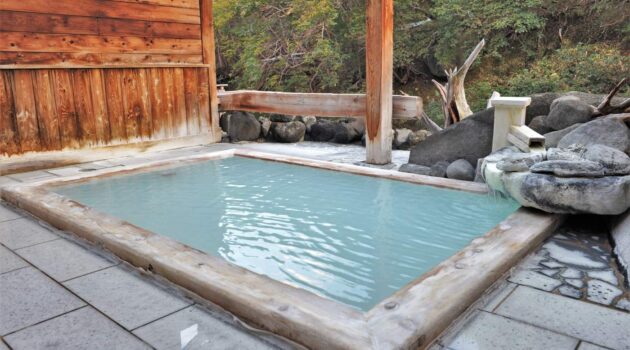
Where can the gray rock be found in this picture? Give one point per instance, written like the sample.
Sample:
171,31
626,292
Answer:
569,168
571,153
240,126
418,136
541,103
308,122
279,118
461,169
602,196
401,138
469,139
519,161
265,126
614,161
610,132
502,153
439,169
415,169
290,132
553,138
538,124
568,110
323,131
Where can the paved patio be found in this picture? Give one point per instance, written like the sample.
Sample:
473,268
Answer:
59,292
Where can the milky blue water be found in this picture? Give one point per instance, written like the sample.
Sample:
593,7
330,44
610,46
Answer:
350,238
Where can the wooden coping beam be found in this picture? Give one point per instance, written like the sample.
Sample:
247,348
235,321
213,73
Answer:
321,105
379,79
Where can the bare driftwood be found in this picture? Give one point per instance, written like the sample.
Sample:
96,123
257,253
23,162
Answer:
606,106
455,106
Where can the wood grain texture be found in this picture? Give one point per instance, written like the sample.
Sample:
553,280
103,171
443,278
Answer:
115,109
98,93
48,122
16,60
86,123
191,93
65,108
208,49
105,8
379,80
9,138
177,3
179,126
11,21
37,42
112,26
26,111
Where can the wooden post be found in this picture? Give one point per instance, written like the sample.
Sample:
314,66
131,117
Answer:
208,47
379,77
508,112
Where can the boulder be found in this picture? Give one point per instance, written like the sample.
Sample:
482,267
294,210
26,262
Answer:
265,126
401,138
461,169
553,138
279,118
568,110
469,139
610,132
572,153
415,169
413,124
538,124
290,132
613,160
308,121
323,131
240,126
602,196
541,103
418,136
569,168
439,169
519,161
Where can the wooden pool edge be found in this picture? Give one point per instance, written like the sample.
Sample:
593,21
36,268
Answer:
411,318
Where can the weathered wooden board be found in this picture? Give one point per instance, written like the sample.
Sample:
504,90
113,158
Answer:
112,26
13,60
11,21
325,105
208,49
105,8
55,109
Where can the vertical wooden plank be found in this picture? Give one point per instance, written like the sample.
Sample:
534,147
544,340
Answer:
65,109
179,103
9,138
83,106
168,97
157,102
131,104
26,111
208,51
191,93
115,109
379,78
46,110
204,100
145,128
99,106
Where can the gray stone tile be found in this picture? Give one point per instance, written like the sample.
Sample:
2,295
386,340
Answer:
589,346
7,214
10,261
3,346
67,171
488,331
596,324
29,297
166,333
623,304
125,297
606,276
570,292
602,292
534,279
6,181
82,329
24,232
32,176
498,296
63,260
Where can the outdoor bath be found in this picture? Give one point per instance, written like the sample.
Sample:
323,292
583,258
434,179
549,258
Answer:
328,255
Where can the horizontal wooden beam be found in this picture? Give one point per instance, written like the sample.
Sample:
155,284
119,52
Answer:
323,105
39,60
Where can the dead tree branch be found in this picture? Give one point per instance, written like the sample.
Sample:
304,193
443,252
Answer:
606,106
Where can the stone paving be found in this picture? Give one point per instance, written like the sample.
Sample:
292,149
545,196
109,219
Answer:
59,292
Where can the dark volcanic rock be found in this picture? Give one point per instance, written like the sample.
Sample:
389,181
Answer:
568,110
415,169
439,169
469,139
569,168
290,132
323,131
240,126
538,125
461,169
610,132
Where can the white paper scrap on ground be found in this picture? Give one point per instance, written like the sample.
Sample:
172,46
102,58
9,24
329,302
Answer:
187,335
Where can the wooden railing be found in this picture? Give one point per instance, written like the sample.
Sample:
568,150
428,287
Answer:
323,105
